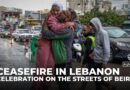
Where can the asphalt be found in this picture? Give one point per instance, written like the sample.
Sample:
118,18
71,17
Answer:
13,56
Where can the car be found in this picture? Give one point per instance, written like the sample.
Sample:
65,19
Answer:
5,33
22,35
126,26
1,31
119,44
36,30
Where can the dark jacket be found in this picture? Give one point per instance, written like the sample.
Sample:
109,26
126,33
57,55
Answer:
88,50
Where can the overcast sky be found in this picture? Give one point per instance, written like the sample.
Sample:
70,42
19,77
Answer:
30,4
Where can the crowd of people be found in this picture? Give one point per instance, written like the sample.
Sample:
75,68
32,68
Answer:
54,47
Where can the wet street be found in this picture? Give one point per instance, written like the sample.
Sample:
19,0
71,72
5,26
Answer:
12,56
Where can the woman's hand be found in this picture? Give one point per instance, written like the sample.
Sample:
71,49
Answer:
70,25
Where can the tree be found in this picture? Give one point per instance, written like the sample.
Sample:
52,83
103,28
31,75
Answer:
109,18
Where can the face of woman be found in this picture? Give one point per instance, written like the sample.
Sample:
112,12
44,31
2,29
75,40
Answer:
62,15
65,16
55,10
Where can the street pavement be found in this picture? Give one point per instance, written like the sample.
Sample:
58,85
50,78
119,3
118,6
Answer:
13,56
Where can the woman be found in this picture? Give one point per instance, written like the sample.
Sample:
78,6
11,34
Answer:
44,53
64,35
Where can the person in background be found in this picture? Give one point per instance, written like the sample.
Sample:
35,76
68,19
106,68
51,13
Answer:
75,19
78,36
11,30
89,46
101,50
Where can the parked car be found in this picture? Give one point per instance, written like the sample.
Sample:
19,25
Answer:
36,30
5,33
1,31
126,26
119,43
22,35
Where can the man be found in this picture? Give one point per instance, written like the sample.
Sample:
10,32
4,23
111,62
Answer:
89,45
101,50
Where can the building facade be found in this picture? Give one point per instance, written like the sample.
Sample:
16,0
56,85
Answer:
82,6
104,5
2,8
122,7
129,7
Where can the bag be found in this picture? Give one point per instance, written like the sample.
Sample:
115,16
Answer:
28,54
33,48
59,51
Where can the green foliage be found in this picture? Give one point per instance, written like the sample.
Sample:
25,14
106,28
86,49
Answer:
107,17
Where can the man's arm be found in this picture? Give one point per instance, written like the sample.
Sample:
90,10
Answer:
106,48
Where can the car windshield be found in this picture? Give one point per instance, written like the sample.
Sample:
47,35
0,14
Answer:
24,31
126,26
117,33
6,30
38,28
1,29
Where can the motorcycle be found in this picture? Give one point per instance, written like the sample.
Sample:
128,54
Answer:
77,50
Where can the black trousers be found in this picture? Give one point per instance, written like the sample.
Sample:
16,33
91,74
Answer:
63,85
102,83
98,84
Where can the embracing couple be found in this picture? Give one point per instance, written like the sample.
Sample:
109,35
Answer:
55,43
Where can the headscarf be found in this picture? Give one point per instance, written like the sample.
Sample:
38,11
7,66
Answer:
59,5
44,26
97,23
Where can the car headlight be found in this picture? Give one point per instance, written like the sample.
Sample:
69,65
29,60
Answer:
128,56
6,33
121,44
21,36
